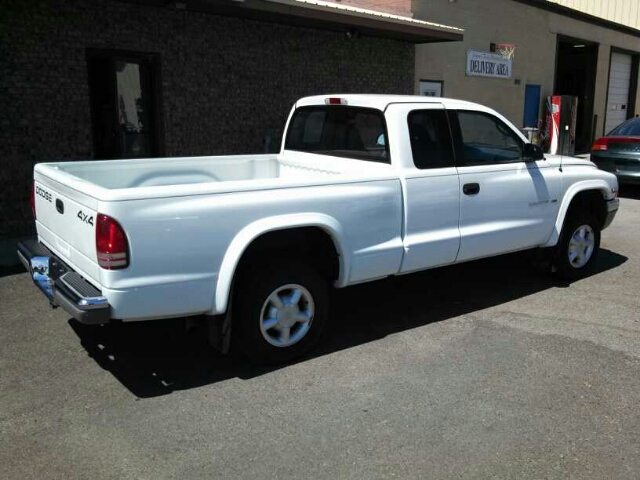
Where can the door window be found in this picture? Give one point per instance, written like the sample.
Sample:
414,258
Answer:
124,104
431,144
134,118
487,140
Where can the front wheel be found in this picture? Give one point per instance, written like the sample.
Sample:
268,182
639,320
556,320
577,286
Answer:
280,311
578,247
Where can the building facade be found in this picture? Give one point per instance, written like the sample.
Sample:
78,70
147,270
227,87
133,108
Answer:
624,12
95,79
558,50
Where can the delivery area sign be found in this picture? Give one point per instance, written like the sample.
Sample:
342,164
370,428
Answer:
486,64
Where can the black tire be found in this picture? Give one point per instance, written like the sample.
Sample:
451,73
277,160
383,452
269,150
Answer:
254,287
564,268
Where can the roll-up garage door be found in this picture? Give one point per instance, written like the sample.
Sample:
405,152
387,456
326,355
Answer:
618,96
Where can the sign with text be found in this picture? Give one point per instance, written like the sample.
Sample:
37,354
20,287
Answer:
486,64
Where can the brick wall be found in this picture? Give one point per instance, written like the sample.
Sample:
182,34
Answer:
225,82
397,7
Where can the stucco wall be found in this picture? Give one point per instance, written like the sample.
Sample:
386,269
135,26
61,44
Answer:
533,30
225,82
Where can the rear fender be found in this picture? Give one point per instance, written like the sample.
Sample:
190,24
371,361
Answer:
251,232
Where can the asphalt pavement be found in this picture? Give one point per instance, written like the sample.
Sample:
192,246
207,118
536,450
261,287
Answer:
488,369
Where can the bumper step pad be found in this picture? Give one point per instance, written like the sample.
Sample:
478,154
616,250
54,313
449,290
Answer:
64,287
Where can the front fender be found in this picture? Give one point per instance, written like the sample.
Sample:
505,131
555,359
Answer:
596,184
248,234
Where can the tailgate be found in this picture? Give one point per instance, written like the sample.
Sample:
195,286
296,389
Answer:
65,221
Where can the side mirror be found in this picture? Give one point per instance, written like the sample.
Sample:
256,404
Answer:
532,152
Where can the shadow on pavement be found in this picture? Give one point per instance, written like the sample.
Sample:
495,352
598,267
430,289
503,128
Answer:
5,271
156,358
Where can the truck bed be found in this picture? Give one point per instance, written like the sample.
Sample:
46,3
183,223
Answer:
115,180
154,172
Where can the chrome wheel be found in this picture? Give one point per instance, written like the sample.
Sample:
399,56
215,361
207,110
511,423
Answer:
286,315
581,246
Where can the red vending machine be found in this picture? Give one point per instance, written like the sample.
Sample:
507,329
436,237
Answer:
560,128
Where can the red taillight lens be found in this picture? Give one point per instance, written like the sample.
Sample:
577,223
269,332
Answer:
601,144
607,143
32,199
111,244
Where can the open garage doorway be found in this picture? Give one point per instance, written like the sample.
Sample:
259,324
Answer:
576,62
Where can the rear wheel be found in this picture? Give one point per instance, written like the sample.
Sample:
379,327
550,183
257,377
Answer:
280,311
578,247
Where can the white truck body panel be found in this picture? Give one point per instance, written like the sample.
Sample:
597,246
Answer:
516,211
189,220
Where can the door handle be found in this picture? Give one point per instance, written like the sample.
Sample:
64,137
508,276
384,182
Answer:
471,188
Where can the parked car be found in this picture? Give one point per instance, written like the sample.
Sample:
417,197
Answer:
364,187
619,152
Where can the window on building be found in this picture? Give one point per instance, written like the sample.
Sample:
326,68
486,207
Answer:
430,139
340,131
431,88
124,99
487,139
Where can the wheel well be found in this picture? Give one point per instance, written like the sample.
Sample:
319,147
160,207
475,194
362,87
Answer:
592,201
311,244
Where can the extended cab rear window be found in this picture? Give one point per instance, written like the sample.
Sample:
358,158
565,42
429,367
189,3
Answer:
340,131
431,142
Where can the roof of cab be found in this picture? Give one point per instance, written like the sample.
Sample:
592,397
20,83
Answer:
381,102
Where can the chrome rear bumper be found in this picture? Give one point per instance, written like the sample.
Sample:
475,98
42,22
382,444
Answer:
62,285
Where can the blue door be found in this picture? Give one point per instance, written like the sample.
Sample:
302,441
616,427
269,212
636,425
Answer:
531,105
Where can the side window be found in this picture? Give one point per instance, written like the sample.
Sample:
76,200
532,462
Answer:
487,140
431,144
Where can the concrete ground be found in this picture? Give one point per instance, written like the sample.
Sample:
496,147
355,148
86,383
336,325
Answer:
481,370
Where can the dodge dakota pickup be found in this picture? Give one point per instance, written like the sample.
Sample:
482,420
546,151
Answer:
364,187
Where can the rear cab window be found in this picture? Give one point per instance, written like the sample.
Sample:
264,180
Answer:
339,131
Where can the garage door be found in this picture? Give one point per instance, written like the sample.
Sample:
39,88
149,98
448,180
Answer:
618,97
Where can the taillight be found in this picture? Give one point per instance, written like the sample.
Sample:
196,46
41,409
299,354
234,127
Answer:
32,199
605,143
601,144
111,244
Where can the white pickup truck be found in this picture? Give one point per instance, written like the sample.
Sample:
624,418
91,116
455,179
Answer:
365,186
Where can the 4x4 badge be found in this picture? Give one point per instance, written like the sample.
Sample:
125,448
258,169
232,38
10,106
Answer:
85,218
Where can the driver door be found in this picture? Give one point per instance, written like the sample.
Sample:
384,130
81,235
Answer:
506,204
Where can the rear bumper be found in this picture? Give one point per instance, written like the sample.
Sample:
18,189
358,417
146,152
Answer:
625,167
612,209
62,286
628,177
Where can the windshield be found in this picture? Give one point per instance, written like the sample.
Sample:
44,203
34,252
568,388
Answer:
340,131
